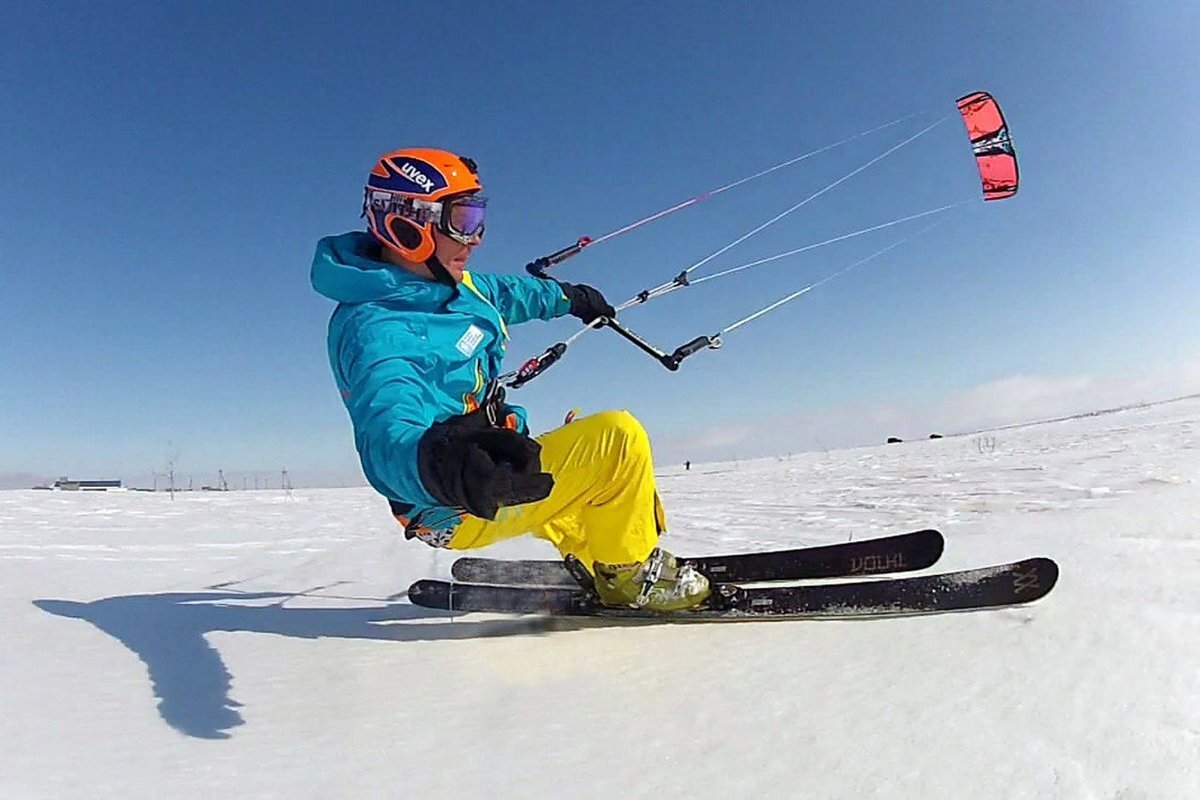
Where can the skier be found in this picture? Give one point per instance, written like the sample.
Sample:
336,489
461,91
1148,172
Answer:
416,343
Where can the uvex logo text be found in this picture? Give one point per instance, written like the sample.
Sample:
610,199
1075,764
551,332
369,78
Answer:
416,176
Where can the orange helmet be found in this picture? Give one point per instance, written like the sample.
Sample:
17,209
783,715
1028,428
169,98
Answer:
410,191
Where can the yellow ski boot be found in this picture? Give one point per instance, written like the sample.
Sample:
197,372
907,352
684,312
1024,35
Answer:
657,584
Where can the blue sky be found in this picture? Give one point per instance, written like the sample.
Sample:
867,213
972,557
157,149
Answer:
166,169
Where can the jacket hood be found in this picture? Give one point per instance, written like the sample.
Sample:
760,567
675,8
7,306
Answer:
346,268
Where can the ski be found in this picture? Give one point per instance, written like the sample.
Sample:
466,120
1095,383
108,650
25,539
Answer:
903,552
972,589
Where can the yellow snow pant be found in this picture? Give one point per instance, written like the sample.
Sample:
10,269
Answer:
604,506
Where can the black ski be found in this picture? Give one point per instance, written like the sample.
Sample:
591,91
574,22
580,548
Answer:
987,587
903,552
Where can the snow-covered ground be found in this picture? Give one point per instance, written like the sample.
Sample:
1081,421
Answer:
254,644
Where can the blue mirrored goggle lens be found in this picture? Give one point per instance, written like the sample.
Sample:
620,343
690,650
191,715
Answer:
466,216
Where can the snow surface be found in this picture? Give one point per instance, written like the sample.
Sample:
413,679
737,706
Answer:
254,644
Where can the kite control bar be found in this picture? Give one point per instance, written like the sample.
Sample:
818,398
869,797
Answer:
669,360
539,364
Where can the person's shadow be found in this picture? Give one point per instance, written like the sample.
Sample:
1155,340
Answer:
167,632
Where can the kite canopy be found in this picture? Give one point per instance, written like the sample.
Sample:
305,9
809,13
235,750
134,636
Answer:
994,153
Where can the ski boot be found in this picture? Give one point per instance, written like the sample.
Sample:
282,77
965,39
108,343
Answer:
659,583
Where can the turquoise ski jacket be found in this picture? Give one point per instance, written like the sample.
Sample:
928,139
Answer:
407,352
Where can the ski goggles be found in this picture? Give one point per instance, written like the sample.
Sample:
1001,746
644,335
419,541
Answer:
460,218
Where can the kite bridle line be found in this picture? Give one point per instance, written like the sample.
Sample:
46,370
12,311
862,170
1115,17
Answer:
539,364
671,361
771,307
539,266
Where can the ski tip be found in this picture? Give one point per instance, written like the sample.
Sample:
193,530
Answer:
428,593
474,568
937,543
1049,568
1033,578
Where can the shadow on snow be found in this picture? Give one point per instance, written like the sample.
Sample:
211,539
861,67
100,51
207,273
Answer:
167,632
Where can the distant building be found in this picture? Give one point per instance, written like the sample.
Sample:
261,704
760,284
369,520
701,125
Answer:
65,484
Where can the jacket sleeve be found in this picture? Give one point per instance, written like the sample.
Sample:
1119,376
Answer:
380,376
520,298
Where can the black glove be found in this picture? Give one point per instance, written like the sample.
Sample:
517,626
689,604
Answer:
464,462
587,303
